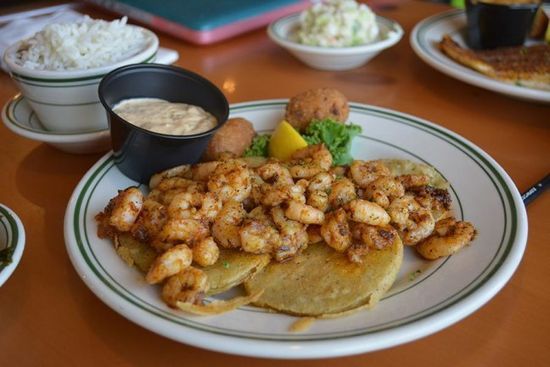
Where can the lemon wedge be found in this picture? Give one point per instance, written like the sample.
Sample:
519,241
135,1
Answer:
284,141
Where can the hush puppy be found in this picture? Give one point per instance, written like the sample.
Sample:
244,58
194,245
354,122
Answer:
233,137
316,104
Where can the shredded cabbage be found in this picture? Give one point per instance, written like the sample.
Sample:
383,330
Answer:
337,23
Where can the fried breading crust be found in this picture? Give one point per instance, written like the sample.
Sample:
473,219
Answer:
316,104
523,65
233,137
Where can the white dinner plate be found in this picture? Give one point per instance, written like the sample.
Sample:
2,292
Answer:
424,41
426,297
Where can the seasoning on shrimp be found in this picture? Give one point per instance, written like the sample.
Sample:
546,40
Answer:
196,219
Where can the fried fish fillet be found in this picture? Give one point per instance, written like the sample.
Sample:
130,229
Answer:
527,66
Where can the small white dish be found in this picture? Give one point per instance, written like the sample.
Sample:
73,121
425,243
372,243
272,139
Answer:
424,41
445,291
19,117
333,58
67,100
12,235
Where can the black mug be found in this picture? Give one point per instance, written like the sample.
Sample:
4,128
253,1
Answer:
492,25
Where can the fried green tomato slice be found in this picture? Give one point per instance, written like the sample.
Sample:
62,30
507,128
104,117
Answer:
321,282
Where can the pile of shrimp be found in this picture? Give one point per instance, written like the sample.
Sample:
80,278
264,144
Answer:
277,208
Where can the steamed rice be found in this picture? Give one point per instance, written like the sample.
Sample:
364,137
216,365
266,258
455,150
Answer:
87,44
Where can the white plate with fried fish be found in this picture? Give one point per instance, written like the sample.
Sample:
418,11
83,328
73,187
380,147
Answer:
425,38
426,296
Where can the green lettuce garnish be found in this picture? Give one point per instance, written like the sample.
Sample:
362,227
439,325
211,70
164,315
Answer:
259,146
336,136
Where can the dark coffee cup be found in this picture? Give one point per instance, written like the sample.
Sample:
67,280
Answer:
492,25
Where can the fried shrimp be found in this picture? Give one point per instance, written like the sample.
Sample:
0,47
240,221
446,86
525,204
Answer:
199,206
367,238
383,190
413,222
310,161
150,221
364,172
210,207
171,183
435,199
294,236
320,182
206,252
317,153
230,180
304,213
448,237
124,208
410,181
186,230
187,286
258,234
225,228
367,212
375,237
335,230
202,171
342,192
169,263
178,171
183,205
275,173
273,195
318,199
258,237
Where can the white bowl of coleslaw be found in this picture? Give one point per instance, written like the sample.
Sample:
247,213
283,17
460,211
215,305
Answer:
320,54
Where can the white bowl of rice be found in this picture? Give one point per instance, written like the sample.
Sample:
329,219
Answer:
58,70
335,34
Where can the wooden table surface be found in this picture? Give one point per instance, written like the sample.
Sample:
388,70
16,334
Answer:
48,317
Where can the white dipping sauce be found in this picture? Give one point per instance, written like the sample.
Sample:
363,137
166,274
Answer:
165,117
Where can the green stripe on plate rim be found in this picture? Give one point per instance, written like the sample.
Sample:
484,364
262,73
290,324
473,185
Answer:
11,113
24,79
481,279
19,80
11,232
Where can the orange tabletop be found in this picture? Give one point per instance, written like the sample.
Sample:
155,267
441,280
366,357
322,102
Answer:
48,317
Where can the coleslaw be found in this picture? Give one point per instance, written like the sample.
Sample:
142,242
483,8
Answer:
337,23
